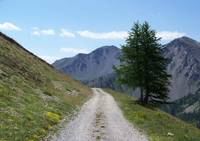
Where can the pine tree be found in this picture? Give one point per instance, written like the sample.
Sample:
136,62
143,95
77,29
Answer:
143,66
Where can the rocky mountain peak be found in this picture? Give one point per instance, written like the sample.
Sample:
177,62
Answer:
184,42
105,50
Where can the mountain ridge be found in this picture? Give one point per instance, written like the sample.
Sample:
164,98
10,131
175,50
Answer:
182,49
90,66
14,42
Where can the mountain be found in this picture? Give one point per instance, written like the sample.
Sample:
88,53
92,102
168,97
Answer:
90,66
184,66
183,56
34,97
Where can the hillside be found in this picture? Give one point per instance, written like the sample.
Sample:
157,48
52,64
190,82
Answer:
158,125
34,97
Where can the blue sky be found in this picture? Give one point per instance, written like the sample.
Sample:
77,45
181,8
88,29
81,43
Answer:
54,29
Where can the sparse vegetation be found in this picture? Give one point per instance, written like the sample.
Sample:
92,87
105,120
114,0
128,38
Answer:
159,126
30,103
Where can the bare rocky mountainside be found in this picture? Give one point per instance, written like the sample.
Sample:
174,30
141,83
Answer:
90,66
184,66
183,56
94,69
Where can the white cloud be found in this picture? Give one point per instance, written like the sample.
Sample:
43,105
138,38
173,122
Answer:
69,52
49,59
39,32
48,32
9,26
113,35
168,35
65,33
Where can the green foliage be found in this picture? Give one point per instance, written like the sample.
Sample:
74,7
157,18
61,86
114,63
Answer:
158,125
142,65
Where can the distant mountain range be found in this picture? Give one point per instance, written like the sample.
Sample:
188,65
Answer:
183,54
96,68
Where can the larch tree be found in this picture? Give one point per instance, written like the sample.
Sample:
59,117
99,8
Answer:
143,66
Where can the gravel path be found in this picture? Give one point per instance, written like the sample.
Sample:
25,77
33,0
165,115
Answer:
100,119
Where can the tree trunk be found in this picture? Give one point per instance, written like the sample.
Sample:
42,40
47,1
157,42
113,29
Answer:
146,99
141,95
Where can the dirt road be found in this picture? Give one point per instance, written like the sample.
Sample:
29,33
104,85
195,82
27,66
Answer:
100,119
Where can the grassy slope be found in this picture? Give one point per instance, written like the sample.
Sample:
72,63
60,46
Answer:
154,122
34,97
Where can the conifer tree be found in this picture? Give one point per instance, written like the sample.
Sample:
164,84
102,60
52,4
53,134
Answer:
143,66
